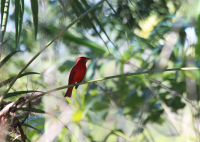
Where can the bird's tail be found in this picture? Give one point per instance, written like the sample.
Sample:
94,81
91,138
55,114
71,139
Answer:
69,92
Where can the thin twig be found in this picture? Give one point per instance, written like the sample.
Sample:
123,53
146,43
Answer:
29,109
23,136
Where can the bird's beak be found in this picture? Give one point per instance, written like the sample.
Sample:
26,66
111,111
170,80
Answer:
87,59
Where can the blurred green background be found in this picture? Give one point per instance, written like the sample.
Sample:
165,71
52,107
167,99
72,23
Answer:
121,36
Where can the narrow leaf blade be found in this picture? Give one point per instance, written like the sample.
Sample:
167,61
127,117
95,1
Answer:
3,83
21,13
17,7
27,125
7,58
20,93
2,9
88,19
34,8
35,110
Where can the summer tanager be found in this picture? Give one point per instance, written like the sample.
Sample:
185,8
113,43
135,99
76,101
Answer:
77,74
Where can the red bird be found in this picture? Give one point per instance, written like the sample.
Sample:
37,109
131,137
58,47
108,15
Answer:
77,74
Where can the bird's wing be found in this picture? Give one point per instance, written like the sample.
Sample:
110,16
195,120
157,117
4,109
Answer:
71,76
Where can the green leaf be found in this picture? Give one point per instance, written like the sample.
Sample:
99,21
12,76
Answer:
21,13
3,83
34,8
121,68
2,9
36,121
197,46
127,55
96,48
20,93
7,58
27,125
17,7
33,110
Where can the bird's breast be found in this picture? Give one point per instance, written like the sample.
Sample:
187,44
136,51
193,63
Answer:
79,73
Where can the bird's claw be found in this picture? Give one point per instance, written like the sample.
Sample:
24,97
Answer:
76,86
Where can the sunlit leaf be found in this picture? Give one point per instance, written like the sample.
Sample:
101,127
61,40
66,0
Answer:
78,115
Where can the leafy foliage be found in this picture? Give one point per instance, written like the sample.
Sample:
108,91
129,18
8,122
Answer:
121,37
